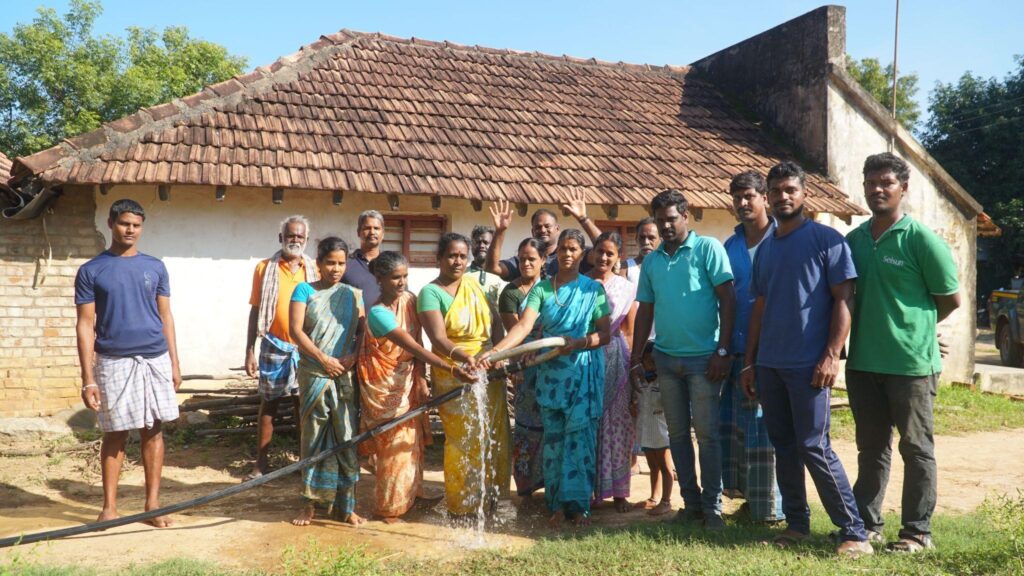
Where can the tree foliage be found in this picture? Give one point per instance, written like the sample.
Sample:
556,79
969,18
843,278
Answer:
59,79
878,81
976,131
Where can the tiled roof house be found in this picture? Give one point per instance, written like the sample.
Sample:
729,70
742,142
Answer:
427,132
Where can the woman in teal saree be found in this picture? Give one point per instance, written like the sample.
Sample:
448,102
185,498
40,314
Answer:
327,336
570,388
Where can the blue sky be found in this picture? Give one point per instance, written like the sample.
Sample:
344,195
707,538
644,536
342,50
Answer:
938,40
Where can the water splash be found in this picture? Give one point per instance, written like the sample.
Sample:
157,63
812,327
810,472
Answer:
484,499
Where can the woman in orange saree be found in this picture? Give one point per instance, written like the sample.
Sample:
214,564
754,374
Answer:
392,382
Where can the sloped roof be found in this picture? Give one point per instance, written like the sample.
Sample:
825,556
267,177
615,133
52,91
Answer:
373,113
5,167
987,228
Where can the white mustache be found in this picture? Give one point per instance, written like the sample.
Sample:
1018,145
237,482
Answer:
292,249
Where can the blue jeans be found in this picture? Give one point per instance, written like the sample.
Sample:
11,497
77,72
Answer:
690,399
798,419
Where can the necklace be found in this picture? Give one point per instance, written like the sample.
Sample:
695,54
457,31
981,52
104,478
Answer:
554,289
527,287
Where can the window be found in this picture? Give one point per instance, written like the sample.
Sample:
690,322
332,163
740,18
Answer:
625,229
414,236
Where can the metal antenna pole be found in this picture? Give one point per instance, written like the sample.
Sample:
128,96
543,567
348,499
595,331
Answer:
895,53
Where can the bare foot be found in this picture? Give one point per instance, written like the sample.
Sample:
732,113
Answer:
107,515
581,521
663,507
622,505
159,521
556,519
391,520
354,520
305,517
646,504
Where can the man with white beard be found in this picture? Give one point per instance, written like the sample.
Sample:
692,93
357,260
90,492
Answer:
272,284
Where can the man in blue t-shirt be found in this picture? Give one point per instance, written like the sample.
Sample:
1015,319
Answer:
803,281
686,289
127,350
748,459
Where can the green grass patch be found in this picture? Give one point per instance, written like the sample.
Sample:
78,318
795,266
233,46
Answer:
958,411
987,541
177,567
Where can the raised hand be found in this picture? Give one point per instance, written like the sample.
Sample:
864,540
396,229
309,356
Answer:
501,214
577,205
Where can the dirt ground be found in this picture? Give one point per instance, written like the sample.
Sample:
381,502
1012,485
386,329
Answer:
251,530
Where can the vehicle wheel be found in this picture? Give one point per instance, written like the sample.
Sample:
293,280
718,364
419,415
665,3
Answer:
1009,351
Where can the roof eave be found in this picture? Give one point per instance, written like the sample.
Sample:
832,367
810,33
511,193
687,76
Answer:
867,104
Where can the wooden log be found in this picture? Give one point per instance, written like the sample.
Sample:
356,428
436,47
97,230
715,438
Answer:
239,411
230,402
238,431
222,392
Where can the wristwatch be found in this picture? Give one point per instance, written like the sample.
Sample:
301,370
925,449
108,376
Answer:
722,352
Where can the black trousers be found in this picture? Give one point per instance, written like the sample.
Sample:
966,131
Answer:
881,402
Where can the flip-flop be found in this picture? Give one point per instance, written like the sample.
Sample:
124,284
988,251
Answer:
910,544
788,538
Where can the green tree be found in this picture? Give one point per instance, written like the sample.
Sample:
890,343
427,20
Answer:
878,81
976,131
58,79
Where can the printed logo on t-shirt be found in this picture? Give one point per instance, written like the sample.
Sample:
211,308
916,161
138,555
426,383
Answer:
893,261
149,280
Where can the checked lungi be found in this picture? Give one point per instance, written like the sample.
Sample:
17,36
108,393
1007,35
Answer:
278,363
135,392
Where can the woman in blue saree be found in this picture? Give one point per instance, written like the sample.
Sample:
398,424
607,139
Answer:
327,336
569,388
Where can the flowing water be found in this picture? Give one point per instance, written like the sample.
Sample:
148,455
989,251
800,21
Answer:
485,499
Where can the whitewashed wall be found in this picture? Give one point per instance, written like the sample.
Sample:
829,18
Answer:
851,139
211,248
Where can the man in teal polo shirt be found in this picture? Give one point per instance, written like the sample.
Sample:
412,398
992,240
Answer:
686,287
906,283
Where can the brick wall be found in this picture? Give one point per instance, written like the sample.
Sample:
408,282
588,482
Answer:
39,372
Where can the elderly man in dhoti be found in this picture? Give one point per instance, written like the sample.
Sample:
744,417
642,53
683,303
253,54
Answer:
272,284
126,347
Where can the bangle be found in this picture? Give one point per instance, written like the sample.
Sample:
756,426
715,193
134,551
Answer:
584,219
90,386
747,367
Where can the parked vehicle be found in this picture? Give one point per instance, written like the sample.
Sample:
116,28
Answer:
1006,314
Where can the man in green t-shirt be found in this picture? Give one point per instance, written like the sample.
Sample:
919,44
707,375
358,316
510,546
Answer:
906,283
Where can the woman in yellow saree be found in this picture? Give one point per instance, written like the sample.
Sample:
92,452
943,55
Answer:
454,313
392,382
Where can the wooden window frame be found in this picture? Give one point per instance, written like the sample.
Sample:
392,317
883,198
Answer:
626,229
406,219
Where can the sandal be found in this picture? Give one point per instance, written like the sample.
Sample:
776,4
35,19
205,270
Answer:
854,549
787,538
873,537
911,544
663,507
